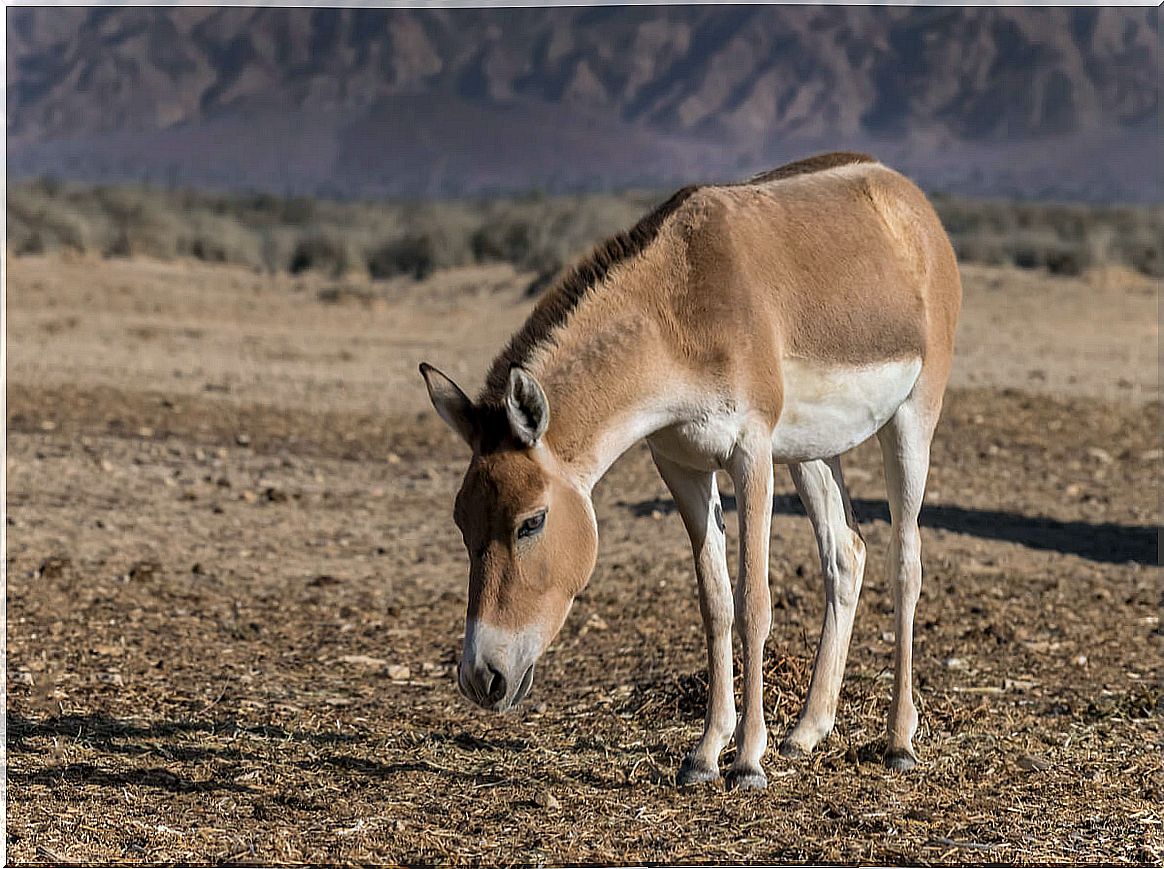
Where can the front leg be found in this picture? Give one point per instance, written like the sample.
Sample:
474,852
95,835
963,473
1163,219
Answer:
697,498
751,471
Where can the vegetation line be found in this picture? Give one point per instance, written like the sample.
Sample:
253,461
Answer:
535,233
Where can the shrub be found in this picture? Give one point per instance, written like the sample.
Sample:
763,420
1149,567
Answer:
319,252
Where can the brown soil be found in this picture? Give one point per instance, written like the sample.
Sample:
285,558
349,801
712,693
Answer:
235,594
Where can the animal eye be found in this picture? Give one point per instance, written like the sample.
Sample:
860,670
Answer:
533,525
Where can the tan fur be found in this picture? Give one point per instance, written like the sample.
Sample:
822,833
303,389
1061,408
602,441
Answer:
848,264
685,326
510,579
833,258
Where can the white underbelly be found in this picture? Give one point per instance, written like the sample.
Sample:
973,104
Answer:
829,409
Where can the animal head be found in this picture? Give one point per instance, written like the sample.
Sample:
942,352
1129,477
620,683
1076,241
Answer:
529,530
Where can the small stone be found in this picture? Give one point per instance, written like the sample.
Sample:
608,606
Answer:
48,425
1100,455
548,801
1019,684
394,459
242,439
106,465
145,431
1079,660
596,623
954,664
53,567
364,661
399,672
1033,763
249,496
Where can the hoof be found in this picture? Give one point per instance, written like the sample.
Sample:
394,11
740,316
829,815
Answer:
746,780
792,751
900,759
694,772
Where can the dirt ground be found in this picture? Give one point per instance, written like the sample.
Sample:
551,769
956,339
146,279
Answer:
235,594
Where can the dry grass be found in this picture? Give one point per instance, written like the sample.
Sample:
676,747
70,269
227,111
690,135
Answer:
535,233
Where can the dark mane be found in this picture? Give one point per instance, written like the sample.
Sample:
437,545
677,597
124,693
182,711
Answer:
556,305
816,163
564,296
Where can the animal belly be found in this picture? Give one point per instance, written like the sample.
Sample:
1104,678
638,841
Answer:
829,409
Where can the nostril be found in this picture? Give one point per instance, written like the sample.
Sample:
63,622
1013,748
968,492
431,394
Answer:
496,687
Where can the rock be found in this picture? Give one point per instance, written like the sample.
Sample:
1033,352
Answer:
547,801
143,570
242,439
399,672
1018,684
1100,455
364,661
1033,763
53,567
596,623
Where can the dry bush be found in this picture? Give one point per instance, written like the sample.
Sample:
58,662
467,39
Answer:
536,233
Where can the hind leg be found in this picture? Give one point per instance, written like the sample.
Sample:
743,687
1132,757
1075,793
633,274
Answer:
905,448
842,556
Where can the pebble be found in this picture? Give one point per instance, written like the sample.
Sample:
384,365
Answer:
399,672
548,801
365,661
1033,763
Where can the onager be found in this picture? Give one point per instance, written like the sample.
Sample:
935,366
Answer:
784,319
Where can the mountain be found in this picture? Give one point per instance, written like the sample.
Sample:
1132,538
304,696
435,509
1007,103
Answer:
364,102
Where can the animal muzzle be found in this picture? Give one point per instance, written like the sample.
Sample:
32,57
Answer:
497,668
492,689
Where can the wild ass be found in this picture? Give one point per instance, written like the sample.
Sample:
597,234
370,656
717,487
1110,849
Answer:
787,318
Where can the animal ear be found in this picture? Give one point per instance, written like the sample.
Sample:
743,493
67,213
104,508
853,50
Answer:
526,407
453,406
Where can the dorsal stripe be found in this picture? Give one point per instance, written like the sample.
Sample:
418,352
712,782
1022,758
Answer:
559,301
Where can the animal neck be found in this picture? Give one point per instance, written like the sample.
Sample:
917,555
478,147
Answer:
608,386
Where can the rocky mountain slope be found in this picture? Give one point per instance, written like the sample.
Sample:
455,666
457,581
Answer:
445,101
